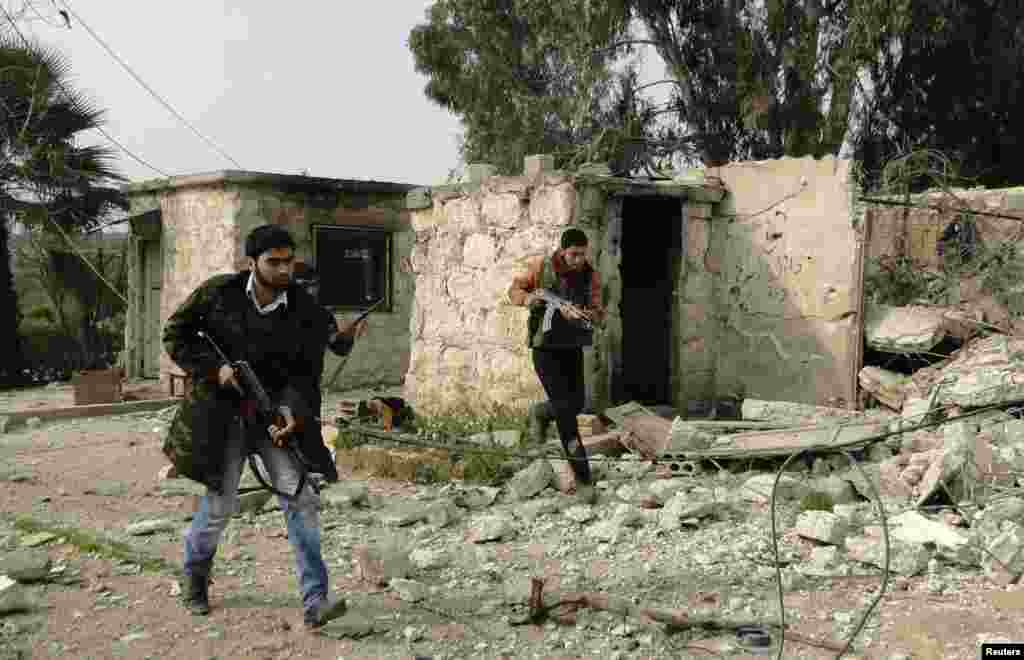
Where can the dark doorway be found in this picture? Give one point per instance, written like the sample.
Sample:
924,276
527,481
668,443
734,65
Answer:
652,239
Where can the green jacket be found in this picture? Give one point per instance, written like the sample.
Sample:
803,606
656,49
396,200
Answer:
194,442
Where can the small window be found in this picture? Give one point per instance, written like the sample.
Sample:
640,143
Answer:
353,266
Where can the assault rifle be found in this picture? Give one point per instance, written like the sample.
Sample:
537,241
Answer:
266,414
557,303
344,360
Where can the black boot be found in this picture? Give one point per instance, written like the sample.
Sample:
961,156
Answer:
197,598
540,418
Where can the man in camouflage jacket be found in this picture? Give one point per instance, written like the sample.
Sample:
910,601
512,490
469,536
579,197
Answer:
261,316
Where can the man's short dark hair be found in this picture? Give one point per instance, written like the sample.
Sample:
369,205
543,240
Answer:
573,237
267,237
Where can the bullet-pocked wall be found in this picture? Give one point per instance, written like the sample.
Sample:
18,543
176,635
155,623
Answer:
201,229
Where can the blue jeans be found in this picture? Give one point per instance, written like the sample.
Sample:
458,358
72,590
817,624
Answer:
302,515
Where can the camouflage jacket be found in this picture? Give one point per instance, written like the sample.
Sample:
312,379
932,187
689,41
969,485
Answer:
195,440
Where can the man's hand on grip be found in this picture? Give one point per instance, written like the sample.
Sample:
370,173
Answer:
281,429
226,377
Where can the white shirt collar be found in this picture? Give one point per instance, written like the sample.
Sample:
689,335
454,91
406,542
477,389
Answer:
280,301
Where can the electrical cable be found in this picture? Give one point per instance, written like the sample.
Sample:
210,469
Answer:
149,89
60,84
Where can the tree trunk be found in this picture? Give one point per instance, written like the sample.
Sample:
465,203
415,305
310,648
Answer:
10,317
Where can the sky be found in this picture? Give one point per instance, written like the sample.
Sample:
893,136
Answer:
324,87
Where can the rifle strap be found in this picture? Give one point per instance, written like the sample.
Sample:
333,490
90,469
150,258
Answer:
300,462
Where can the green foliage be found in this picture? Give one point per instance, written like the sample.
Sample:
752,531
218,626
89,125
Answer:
816,501
527,77
1003,275
484,466
900,281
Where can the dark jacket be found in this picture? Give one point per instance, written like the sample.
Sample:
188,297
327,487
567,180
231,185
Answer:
582,288
195,439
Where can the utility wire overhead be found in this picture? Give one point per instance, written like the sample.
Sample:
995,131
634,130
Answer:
136,158
213,145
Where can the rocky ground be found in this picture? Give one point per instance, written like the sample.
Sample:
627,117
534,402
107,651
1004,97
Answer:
90,542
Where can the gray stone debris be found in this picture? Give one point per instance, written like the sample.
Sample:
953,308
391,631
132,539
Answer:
13,597
507,439
839,490
151,527
26,566
490,528
472,498
1004,560
404,513
532,480
903,329
380,563
580,513
442,513
428,558
822,526
4,423
410,590
759,488
683,507
33,422
344,495
912,527
529,511
905,558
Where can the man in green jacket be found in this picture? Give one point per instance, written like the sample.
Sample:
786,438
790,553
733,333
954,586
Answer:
259,315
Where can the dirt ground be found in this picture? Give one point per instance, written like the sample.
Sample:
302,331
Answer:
101,474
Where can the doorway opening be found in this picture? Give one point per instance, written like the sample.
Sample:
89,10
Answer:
652,253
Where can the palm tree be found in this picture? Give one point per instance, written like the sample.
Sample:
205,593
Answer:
49,180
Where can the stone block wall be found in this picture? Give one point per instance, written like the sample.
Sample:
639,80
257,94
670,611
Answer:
468,343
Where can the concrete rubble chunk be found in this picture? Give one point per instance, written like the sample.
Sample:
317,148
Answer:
907,559
759,488
682,507
798,414
1003,560
532,480
990,520
13,597
954,461
529,511
887,386
380,563
473,498
648,435
985,372
37,539
824,560
822,526
26,566
146,527
683,437
426,558
167,472
507,439
403,514
410,591
490,528
442,513
912,527
664,490
909,329
785,441
345,495
580,513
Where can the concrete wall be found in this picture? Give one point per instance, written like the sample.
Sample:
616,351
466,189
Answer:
204,229
785,259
